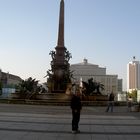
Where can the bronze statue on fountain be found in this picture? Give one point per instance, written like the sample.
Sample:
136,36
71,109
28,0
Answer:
59,76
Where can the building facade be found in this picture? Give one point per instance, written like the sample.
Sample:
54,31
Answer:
120,83
8,84
133,75
87,70
9,80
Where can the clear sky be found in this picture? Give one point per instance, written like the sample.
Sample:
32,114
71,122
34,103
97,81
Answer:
106,32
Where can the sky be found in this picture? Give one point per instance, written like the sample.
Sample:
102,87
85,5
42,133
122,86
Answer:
106,32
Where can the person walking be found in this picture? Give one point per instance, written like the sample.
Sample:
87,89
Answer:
129,103
76,107
110,102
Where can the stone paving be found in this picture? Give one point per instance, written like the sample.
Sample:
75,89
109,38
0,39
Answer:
29,122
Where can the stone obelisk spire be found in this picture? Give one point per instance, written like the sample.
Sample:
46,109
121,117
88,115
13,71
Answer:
60,58
60,42
60,48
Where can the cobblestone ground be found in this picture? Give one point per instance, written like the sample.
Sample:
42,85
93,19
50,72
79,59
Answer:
33,122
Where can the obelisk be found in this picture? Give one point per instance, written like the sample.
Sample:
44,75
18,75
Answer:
60,48
60,64
60,42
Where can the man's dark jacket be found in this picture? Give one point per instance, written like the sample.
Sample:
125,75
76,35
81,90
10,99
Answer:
76,103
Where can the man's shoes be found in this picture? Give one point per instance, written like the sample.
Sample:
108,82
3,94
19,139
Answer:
74,131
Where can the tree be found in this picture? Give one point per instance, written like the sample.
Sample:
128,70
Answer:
133,94
28,88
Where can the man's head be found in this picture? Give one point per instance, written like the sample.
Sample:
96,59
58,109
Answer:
75,89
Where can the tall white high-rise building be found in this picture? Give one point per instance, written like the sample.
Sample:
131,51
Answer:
133,75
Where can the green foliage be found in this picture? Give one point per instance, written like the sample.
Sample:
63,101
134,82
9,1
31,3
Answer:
28,86
133,94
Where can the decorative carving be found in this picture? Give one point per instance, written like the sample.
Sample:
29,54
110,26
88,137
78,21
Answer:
52,53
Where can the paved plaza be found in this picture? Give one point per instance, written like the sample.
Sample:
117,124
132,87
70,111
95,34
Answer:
34,122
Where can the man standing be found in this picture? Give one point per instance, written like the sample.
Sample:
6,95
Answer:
76,109
110,102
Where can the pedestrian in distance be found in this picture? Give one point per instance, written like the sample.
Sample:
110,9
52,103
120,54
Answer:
129,103
110,105
76,107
